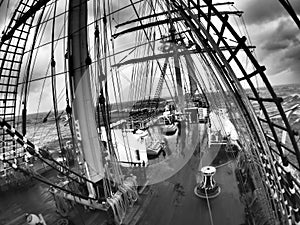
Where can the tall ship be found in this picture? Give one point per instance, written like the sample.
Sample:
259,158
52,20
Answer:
141,112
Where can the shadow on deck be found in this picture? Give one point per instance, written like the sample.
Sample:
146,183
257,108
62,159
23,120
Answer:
174,201
168,202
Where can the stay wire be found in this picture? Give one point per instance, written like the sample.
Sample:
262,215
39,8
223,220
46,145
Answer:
31,73
124,136
53,79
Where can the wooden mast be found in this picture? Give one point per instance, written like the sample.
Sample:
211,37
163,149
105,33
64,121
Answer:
83,107
177,68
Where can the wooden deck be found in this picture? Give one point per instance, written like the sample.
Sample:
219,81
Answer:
174,201
169,201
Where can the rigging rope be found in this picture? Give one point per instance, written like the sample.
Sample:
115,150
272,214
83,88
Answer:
28,74
26,172
7,10
32,69
53,67
114,73
209,208
41,154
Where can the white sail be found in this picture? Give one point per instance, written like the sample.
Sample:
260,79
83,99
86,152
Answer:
83,107
88,139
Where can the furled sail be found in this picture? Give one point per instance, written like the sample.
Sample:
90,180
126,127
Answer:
83,107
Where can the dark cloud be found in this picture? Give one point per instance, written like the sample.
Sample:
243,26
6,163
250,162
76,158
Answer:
262,11
294,53
285,60
275,46
292,58
286,31
278,46
284,36
276,36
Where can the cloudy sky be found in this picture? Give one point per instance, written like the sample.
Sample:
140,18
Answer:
272,31
276,37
